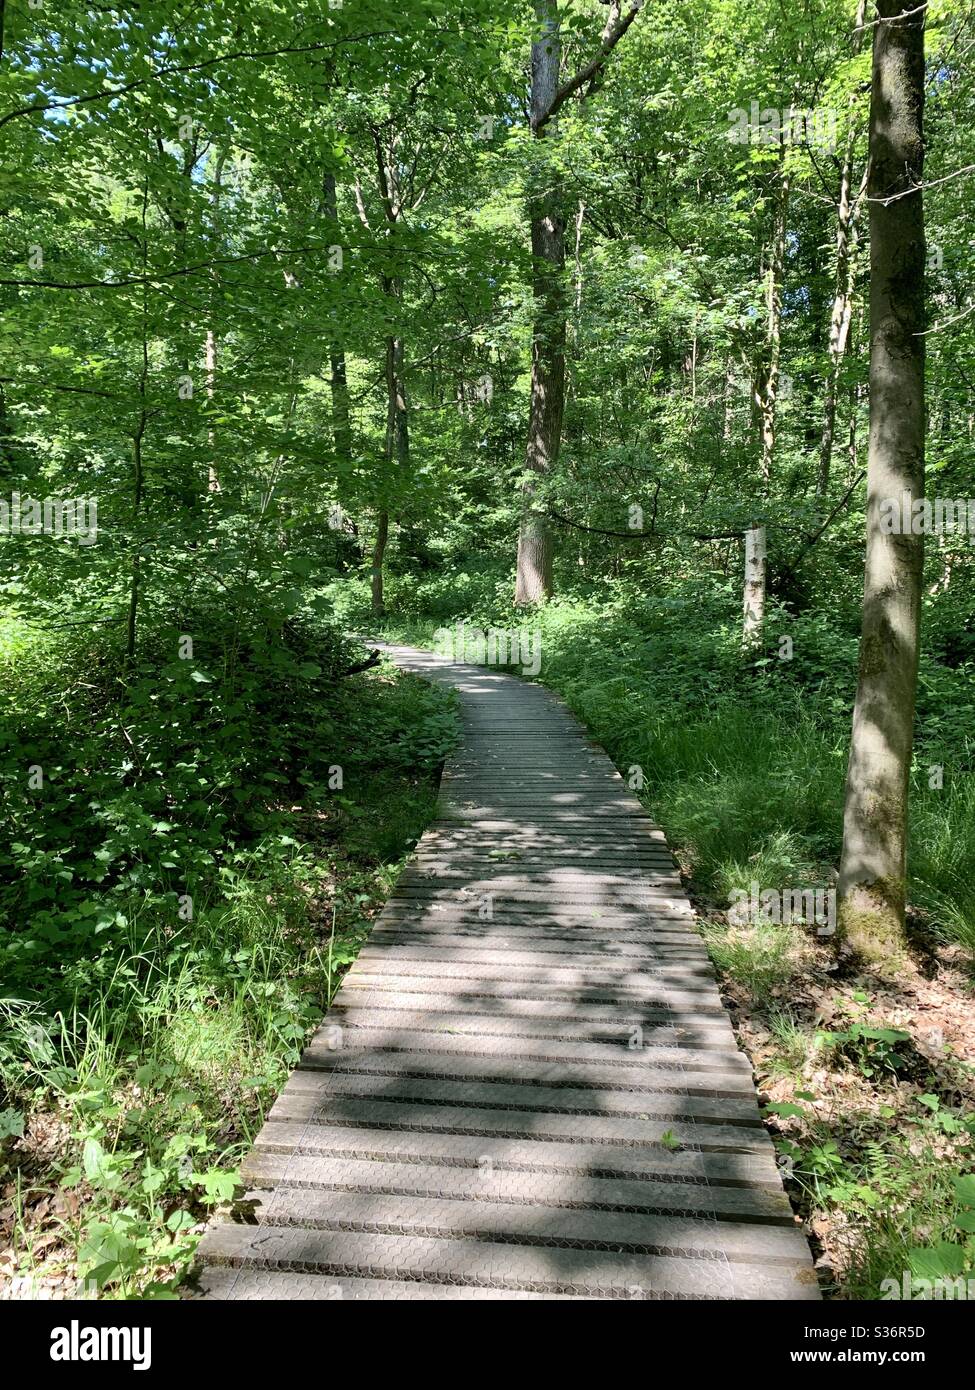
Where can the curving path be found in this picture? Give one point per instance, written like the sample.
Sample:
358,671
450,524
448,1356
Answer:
527,1086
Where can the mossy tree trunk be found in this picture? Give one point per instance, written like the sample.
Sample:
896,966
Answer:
872,881
397,450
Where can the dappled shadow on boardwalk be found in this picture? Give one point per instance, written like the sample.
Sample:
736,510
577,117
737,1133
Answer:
527,1083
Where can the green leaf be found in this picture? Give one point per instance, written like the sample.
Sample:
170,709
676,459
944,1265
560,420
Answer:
941,1261
965,1189
218,1185
11,1124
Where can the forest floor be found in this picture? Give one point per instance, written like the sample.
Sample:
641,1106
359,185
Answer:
868,1085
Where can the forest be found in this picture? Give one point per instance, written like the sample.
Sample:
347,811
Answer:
626,346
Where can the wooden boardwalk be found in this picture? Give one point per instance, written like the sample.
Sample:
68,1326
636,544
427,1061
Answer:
527,1086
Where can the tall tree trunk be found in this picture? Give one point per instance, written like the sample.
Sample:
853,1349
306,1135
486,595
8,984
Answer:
767,377
851,445
549,293
839,326
341,416
872,881
397,448
138,436
397,417
338,381
546,210
135,581
728,404
210,369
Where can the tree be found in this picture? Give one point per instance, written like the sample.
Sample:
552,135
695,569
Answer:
872,883
847,211
547,218
766,379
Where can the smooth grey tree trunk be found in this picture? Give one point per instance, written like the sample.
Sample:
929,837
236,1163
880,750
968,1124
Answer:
547,402
766,387
873,874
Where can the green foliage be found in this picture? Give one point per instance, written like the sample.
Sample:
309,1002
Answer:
869,1049
913,1210
183,893
221,228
